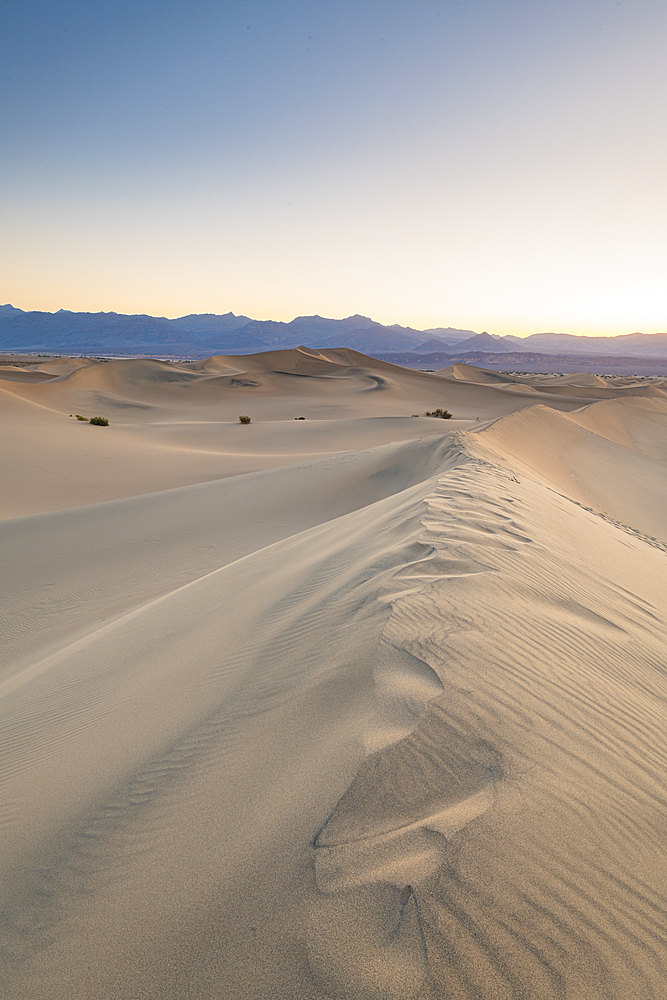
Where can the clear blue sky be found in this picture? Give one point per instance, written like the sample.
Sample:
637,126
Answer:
489,164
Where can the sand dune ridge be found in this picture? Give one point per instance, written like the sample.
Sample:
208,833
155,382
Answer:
384,723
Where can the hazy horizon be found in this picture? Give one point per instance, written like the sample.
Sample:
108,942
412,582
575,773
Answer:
321,316
486,166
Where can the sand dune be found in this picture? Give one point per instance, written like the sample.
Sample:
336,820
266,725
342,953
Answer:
381,718
636,424
177,424
585,467
11,373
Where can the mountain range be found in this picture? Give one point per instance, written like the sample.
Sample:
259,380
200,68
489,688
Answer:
209,333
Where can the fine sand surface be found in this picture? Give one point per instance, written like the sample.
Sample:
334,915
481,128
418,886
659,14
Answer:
365,706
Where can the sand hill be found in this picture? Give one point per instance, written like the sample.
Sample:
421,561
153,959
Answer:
363,706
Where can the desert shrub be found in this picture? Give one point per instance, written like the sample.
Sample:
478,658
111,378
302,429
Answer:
79,417
299,418
443,414
414,414
244,419
100,421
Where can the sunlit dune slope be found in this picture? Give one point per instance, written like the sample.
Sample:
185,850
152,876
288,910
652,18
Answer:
638,424
11,373
563,453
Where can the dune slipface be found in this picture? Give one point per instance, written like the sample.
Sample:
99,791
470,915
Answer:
364,706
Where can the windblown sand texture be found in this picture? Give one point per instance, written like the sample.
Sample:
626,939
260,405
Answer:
365,706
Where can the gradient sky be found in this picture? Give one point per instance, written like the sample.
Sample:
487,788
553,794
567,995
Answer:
486,164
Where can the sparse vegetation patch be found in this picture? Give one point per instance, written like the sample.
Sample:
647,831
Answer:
244,419
443,414
100,421
79,417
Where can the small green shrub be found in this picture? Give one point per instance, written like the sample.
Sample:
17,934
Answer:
299,418
443,414
244,419
79,417
414,414
100,421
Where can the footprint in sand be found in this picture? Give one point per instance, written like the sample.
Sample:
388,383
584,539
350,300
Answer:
384,842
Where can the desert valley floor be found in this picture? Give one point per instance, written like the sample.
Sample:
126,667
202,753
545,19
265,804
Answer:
364,706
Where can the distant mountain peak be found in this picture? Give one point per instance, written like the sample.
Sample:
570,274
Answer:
434,344
481,342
